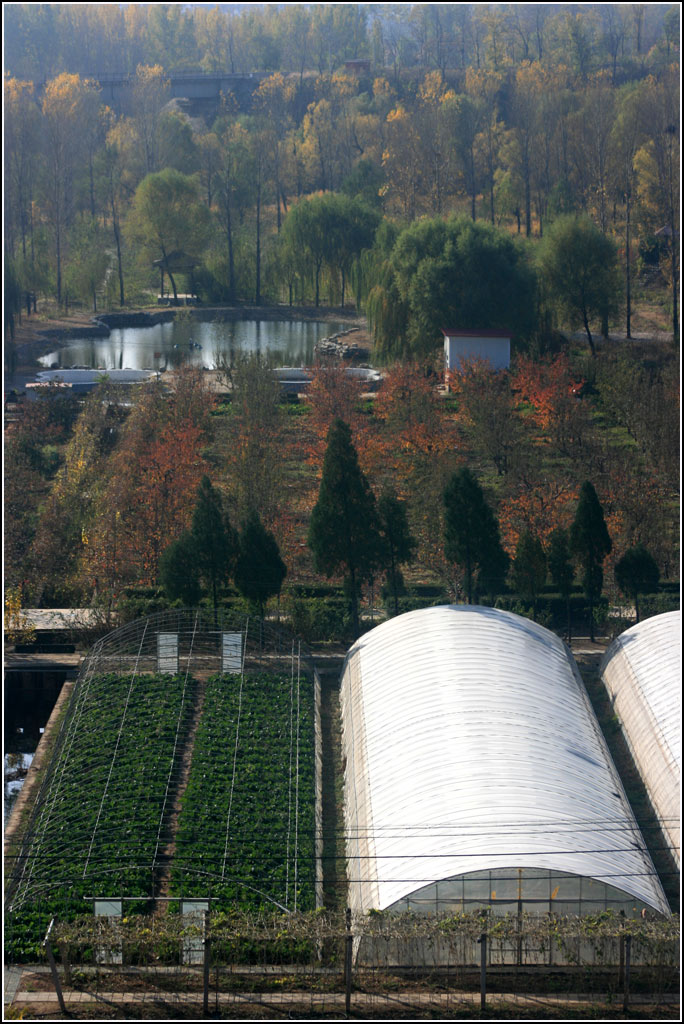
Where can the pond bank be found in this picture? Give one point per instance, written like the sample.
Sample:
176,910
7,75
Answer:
36,336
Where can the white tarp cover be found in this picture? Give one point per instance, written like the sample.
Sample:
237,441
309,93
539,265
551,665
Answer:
642,672
470,744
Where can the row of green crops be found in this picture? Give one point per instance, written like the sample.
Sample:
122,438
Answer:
98,828
246,830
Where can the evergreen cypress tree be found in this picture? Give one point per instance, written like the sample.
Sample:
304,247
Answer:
259,569
398,542
344,530
590,543
178,571
561,569
637,573
471,531
529,568
214,537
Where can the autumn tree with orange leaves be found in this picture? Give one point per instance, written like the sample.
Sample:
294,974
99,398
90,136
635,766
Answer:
152,479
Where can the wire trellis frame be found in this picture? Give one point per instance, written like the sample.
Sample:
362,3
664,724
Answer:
132,653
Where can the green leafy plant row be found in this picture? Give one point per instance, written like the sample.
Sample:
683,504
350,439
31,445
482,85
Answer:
98,828
246,830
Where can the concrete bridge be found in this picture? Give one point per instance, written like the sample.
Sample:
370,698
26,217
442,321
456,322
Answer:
203,91
200,88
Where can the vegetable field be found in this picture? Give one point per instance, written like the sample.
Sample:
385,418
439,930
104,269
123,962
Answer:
196,782
99,822
246,831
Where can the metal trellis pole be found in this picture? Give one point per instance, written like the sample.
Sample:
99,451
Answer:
53,967
348,944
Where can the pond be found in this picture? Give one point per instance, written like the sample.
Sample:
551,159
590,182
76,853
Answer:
211,344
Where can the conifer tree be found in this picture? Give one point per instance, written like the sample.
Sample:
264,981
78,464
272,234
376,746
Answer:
399,544
561,569
529,568
471,531
215,539
178,573
590,543
344,533
637,573
259,569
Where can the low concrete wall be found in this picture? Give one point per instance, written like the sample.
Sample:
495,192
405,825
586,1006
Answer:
29,790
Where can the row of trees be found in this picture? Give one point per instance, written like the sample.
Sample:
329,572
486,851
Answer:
97,38
352,534
515,147
94,496
211,551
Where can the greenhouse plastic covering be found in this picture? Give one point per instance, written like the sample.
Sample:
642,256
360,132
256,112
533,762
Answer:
470,744
642,672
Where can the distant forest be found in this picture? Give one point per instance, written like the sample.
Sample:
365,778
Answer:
42,40
512,114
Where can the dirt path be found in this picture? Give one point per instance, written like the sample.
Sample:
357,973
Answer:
334,878
172,815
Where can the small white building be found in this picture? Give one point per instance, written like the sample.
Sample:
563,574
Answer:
460,346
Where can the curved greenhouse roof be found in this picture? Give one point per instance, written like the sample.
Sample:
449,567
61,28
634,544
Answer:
642,672
470,747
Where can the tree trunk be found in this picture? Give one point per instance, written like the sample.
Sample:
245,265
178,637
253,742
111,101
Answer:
628,269
58,246
117,239
589,337
173,285
231,257
567,602
258,242
354,602
92,187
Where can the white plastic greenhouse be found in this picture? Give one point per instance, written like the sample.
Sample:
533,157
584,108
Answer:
476,774
642,672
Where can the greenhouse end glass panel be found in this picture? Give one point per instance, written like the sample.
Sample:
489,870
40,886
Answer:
167,653
108,954
193,945
505,885
231,652
107,908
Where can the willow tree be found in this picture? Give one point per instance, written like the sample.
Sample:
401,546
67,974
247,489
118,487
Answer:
167,217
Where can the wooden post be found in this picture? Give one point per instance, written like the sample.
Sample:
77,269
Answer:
483,970
53,967
628,957
348,944
66,966
621,968
207,963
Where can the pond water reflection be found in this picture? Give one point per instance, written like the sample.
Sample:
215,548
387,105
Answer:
210,344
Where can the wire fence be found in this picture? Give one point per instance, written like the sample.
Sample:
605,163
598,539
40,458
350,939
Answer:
329,965
191,741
